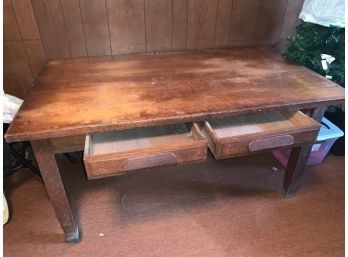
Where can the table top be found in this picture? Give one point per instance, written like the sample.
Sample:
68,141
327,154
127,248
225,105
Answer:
88,95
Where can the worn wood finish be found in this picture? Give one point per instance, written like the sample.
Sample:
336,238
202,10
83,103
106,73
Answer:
82,96
243,135
159,25
44,156
271,143
127,28
114,153
118,27
298,161
96,27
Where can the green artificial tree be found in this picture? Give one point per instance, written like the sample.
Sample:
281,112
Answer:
305,48
310,41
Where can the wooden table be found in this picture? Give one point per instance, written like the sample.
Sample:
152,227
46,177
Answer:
89,95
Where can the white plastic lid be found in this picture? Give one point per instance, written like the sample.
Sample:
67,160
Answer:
328,130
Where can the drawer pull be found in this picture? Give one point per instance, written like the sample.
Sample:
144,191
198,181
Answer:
149,161
271,142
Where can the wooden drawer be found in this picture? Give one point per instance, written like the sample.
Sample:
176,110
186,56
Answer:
117,152
243,135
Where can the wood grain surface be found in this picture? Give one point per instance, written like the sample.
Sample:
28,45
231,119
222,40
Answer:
180,16
11,30
290,19
127,28
50,173
223,19
50,21
159,25
96,27
298,161
201,24
17,63
243,30
36,55
77,28
26,19
74,27
87,95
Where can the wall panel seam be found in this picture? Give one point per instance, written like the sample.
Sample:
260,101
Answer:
83,28
229,24
107,19
187,22
145,26
172,25
281,27
22,41
65,28
217,13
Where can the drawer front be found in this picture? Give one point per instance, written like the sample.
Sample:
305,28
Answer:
119,164
174,153
302,130
149,160
227,149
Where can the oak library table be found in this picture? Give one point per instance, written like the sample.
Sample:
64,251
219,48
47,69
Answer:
149,110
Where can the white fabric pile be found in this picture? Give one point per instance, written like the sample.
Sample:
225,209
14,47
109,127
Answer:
328,13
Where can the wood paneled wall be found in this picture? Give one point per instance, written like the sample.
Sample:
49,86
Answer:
38,30
23,51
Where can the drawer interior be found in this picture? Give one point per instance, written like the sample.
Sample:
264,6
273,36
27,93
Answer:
113,153
140,138
259,123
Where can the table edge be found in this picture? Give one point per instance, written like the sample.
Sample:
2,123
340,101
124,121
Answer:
98,128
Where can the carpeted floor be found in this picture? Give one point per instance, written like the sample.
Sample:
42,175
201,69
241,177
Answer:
226,208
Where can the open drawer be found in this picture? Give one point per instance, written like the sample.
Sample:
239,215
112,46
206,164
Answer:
116,152
236,136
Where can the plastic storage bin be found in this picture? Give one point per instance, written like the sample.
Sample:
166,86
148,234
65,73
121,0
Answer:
327,136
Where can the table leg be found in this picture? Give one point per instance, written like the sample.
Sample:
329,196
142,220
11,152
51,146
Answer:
298,160
46,160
